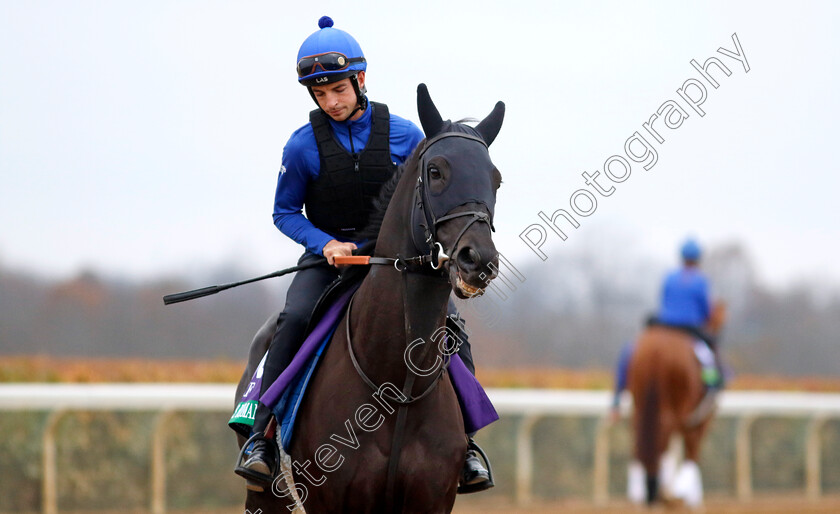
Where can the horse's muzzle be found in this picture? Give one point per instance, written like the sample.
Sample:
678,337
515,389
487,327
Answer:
472,271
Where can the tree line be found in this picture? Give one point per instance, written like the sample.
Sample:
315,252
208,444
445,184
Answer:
574,313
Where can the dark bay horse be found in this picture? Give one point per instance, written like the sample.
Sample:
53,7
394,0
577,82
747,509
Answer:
665,381
398,448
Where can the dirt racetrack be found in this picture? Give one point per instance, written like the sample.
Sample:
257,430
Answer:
764,505
774,505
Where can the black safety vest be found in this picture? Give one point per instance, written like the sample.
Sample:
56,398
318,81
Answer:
340,200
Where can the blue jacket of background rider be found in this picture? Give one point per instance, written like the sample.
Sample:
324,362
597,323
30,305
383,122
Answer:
685,298
301,167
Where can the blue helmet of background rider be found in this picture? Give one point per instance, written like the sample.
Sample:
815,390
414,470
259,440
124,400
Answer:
690,251
330,55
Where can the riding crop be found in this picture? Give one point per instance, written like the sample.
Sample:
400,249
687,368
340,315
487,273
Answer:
207,291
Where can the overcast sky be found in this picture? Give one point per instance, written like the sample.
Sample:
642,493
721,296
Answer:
140,138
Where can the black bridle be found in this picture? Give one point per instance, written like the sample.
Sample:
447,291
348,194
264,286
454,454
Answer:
424,209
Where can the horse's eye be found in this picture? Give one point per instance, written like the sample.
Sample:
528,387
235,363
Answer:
434,173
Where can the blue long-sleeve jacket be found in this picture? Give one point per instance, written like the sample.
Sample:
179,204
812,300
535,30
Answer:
301,165
685,298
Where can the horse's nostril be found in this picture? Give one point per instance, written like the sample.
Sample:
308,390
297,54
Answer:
469,259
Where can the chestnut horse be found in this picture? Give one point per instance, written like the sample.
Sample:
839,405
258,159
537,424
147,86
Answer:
360,448
664,378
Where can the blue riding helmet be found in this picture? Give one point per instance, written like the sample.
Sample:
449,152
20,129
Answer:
690,250
328,55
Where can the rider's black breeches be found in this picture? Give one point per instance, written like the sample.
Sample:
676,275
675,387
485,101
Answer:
303,293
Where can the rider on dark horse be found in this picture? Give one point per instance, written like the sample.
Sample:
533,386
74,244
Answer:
334,165
685,305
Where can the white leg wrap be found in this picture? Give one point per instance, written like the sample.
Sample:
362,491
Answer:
636,486
667,472
688,485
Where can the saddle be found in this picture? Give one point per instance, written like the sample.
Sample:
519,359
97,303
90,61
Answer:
287,393
691,330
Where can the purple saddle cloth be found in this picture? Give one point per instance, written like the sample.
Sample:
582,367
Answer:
476,407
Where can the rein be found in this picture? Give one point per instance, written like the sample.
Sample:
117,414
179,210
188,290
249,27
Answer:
408,398
406,262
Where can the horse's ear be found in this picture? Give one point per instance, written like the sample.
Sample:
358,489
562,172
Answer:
429,115
490,126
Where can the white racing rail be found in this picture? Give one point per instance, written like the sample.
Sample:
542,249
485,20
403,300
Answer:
528,405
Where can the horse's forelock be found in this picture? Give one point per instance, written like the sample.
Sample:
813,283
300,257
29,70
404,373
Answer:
460,126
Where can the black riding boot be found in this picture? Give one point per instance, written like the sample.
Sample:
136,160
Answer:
474,477
261,466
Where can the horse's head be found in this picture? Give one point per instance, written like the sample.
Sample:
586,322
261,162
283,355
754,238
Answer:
456,196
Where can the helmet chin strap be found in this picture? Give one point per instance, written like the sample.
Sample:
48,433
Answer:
361,101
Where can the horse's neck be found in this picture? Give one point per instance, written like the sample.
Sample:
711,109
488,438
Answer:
399,307
397,310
